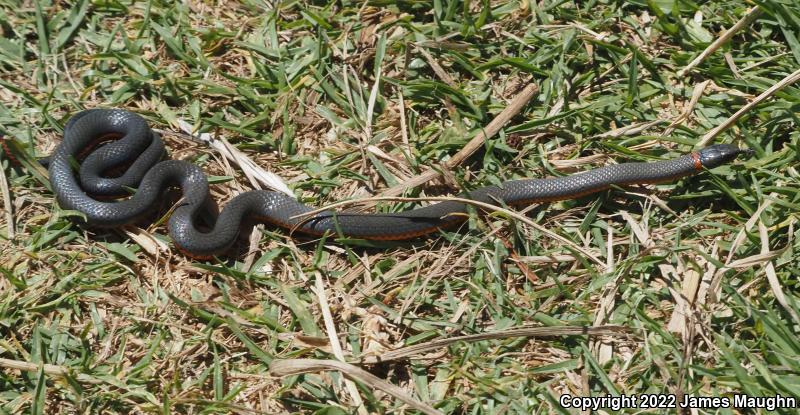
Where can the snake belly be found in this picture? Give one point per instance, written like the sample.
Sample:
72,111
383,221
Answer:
132,143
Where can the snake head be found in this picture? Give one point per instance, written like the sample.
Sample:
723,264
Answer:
719,154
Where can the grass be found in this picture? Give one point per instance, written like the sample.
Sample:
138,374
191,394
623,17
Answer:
343,99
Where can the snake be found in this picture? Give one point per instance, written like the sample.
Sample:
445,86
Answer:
99,141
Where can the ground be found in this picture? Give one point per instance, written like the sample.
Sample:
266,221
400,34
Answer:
686,287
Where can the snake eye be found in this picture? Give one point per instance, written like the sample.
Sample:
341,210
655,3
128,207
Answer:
719,154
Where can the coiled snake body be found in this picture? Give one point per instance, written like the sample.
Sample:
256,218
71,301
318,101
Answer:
139,147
